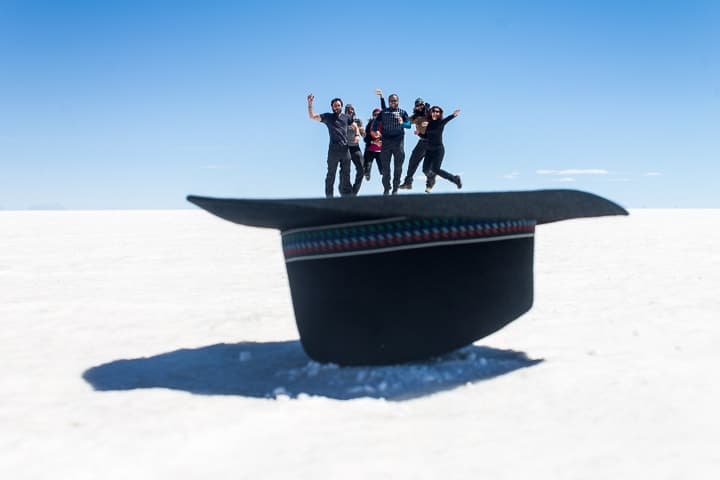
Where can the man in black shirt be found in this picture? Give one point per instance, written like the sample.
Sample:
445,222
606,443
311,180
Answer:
393,121
337,124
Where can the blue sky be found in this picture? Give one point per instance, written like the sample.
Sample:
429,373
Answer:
135,104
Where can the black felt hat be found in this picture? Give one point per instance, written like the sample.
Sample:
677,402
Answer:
379,280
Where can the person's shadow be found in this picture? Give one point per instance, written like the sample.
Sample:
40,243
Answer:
275,369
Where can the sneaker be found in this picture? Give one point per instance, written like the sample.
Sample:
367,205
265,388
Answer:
386,192
406,185
428,189
394,191
367,176
457,181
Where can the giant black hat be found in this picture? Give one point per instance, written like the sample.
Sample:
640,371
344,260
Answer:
379,280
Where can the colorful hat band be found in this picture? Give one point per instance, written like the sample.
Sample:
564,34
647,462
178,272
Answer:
385,235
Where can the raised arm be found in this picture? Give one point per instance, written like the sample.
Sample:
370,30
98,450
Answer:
311,113
450,117
379,93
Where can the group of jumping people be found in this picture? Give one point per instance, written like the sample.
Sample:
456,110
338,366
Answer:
384,138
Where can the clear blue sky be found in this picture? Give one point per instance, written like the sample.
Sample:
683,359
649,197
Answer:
135,104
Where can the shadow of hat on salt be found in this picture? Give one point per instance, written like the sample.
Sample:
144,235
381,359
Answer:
282,369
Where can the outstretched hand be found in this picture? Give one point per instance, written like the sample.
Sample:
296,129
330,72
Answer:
378,92
310,98
456,113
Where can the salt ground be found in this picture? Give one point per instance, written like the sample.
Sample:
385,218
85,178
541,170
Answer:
161,344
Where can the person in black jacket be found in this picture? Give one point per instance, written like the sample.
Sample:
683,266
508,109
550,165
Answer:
436,150
392,121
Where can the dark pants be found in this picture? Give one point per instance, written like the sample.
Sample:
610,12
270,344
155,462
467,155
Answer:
357,160
417,154
338,154
369,156
432,166
392,147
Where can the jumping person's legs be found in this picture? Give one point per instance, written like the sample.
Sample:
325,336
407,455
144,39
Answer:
416,156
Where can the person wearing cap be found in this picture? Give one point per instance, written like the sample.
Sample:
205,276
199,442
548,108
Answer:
337,124
436,150
373,145
419,118
393,121
356,155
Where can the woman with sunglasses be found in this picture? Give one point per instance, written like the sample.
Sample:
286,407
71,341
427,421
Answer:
436,150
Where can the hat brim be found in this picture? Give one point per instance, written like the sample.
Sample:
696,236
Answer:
543,206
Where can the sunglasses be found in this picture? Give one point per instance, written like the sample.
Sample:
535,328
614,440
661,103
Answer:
435,111
393,100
